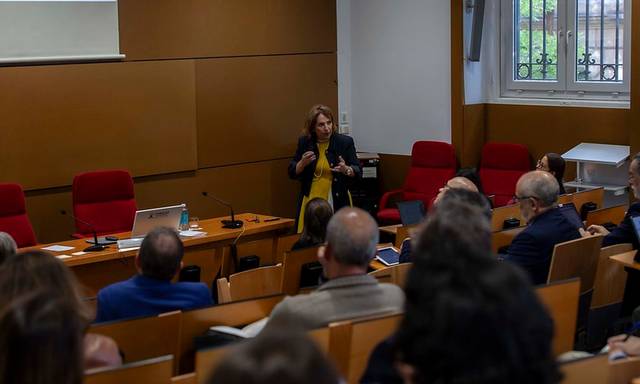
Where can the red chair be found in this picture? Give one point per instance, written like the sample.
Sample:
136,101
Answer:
104,199
433,163
501,165
13,215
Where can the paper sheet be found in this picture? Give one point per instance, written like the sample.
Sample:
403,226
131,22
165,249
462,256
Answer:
57,248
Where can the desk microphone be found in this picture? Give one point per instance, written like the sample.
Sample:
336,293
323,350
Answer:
233,223
96,247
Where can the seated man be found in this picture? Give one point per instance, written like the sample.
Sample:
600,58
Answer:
624,233
352,236
457,188
457,182
7,246
151,291
531,249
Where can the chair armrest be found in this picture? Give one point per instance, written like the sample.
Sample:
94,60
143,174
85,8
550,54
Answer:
386,196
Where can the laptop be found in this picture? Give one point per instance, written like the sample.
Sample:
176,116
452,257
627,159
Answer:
635,220
148,219
411,212
571,213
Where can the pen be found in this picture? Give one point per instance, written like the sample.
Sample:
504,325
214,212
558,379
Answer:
631,330
271,219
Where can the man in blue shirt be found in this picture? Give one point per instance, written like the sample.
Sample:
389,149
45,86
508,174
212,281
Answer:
151,291
531,249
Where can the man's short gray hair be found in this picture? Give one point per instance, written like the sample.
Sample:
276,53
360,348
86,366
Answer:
542,185
352,235
8,246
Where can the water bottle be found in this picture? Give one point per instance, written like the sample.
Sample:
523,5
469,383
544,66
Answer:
184,219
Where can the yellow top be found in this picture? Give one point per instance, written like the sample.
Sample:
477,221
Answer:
321,184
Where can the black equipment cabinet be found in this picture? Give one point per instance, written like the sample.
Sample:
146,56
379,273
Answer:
365,192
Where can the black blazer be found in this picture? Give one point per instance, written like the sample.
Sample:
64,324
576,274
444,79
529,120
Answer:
339,145
533,247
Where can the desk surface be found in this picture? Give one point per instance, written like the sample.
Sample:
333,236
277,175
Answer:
212,227
626,259
391,229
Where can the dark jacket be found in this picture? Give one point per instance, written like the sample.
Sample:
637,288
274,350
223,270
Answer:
339,145
624,233
144,296
532,248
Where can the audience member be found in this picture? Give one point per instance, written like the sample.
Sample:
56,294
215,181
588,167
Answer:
554,164
7,246
27,272
624,233
316,217
41,340
474,177
455,194
151,291
457,182
39,270
476,322
275,356
455,288
531,249
352,236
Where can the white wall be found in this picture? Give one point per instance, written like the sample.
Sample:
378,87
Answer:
395,77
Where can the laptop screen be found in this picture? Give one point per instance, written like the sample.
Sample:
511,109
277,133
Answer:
411,212
636,226
571,213
148,219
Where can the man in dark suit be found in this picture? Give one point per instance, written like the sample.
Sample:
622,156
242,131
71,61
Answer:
624,233
531,249
151,291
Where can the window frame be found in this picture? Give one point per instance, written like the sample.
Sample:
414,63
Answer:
566,87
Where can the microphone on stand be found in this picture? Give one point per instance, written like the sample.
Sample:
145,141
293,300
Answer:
233,223
96,247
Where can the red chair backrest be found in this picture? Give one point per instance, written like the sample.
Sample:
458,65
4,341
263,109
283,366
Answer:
13,215
501,165
104,199
432,164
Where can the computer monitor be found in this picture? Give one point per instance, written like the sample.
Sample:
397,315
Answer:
148,219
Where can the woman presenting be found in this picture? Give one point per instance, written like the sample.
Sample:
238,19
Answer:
324,162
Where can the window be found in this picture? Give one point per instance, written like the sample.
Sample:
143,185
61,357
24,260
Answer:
566,48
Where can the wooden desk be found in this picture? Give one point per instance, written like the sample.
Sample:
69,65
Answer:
631,300
626,259
391,229
210,252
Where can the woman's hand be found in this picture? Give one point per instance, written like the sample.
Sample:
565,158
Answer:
343,168
306,159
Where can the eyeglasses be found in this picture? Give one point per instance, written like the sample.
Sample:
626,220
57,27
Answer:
520,198
539,165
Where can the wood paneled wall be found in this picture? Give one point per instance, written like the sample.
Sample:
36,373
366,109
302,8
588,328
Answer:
211,97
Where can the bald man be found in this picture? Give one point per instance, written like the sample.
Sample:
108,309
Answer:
352,237
457,182
531,249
